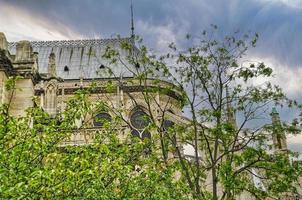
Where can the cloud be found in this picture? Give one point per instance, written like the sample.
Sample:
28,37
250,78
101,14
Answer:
287,77
20,25
279,22
290,3
160,36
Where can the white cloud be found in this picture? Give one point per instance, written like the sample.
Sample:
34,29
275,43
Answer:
162,35
18,24
287,77
290,3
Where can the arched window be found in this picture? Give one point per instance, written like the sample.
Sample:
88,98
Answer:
139,119
146,135
167,124
137,65
101,118
169,137
66,69
135,133
50,99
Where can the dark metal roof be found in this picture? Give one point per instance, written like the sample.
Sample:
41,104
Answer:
83,58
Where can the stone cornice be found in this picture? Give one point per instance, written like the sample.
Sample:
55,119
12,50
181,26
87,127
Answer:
126,89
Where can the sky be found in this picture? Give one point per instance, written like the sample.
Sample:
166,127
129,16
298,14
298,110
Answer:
159,22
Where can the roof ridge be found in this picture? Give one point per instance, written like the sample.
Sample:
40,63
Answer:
80,42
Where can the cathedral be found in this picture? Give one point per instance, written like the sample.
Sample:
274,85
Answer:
52,71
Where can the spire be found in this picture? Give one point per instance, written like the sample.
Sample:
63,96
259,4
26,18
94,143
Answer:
132,20
275,116
274,111
230,111
279,138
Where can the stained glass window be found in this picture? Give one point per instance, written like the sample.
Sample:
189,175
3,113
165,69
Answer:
101,118
146,135
139,119
167,124
135,133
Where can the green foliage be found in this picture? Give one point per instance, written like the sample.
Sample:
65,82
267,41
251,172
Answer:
35,163
209,82
216,89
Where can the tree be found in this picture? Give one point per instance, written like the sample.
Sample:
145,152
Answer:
216,86
230,144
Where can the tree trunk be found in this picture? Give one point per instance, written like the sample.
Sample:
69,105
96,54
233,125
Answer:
214,190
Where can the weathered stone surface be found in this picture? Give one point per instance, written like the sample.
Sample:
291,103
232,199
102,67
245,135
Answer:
22,97
3,41
23,51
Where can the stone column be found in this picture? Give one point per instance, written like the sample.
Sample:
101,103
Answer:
3,42
22,96
3,68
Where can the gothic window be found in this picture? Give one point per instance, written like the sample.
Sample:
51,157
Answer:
135,133
139,119
50,99
168,138
146,135
66,69
101,118
167,124
137,65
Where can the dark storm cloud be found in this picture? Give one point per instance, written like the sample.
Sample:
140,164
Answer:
278,24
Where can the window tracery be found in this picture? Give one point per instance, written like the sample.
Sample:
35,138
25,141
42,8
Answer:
140,120
101,118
